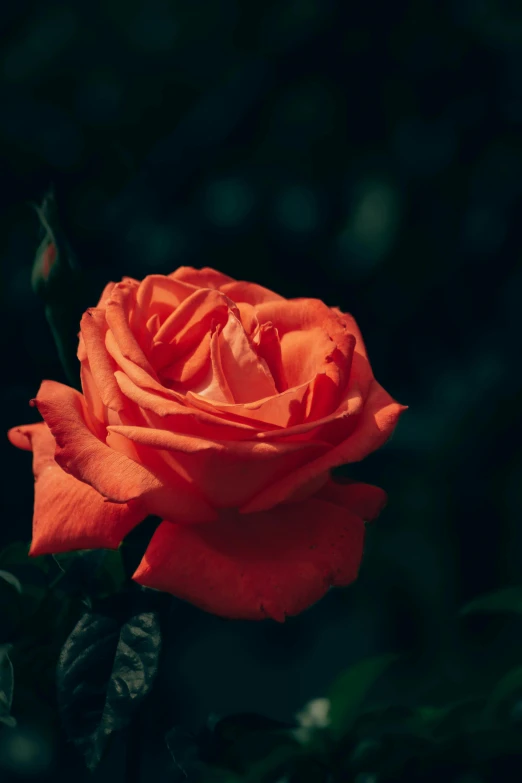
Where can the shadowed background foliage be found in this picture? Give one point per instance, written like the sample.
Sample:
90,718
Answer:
366,154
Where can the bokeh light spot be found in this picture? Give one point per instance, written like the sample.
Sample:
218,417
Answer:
371,227
297,209
228,202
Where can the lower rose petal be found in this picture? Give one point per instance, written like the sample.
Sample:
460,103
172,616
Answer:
69,515
268,564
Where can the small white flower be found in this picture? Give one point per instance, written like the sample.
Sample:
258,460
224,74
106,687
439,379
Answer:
315,715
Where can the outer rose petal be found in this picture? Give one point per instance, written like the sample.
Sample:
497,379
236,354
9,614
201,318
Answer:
69,514
375,425
251,293
268,564
206,277
114,475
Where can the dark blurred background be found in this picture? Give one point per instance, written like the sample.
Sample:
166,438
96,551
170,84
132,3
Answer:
368,154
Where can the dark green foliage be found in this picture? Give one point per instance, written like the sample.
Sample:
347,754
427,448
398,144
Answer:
106,668
62,288
35,617
350,689
245,745
507,600
343,738
386,744
6,687
97,572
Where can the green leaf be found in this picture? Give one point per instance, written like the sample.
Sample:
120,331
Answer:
23,586
507,600
241,740
508,687
274,763
10,606
6,686
15,559
106,668
349,691
16,553
185,752
12,581
112,573
97,572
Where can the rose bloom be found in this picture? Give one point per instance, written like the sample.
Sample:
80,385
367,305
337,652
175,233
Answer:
220,407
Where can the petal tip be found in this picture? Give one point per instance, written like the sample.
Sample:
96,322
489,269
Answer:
36,549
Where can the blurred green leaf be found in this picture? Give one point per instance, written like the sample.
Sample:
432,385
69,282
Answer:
507,600
58,279
274,763
11,580
112,576
14,554
184,749
349,691
11,605
6,686
97,572
508,687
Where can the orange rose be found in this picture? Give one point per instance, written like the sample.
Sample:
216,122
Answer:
221,407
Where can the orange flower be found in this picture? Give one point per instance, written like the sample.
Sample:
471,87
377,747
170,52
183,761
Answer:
221,407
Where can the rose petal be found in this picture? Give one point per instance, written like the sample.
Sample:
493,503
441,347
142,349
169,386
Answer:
93,331
194,317
333,428
119,321
304,354
190,369
171,413
248,317
247,375
96,413
215,385
349,323
268,564
159,295
314,339
137,373
227,473
365,500
300,315
278,410
205,278
374,426
251,293
268,347
69,514
111,473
